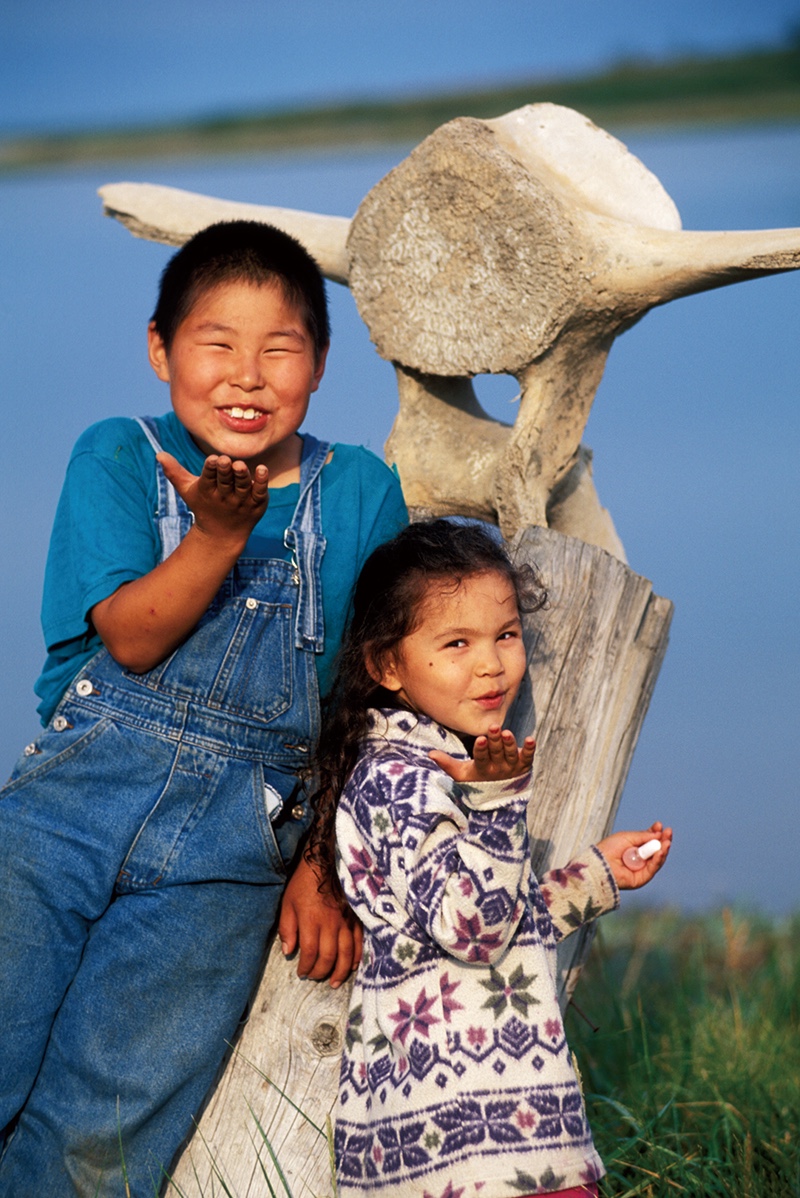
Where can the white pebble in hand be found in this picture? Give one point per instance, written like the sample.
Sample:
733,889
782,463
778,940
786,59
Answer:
635,857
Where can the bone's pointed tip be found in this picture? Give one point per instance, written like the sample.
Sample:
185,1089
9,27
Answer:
171,215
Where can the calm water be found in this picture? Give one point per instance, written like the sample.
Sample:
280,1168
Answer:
695,433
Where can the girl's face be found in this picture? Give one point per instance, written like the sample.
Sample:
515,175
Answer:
463,663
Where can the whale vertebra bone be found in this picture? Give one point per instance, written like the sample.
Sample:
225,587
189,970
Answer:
522,245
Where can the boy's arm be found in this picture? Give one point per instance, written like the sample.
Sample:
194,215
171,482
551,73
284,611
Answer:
144,620
329,939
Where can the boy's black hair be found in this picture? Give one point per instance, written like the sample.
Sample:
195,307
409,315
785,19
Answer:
387,606
245,251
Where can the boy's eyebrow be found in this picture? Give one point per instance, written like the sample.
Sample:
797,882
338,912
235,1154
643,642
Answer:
216,326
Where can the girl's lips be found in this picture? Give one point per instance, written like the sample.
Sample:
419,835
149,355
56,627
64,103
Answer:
492,701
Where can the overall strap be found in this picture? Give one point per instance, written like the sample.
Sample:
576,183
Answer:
173,516
304,538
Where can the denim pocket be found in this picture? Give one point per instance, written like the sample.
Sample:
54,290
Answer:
254,678
69,733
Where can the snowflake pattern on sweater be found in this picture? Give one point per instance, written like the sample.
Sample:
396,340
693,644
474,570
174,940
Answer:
456,1078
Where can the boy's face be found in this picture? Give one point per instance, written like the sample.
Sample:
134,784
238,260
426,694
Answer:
241,369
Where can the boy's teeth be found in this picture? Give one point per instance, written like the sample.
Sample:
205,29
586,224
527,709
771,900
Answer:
243,413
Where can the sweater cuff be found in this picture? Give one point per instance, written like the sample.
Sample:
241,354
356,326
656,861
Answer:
486,796
602,881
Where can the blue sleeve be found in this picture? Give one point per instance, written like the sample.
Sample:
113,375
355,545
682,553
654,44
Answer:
104,533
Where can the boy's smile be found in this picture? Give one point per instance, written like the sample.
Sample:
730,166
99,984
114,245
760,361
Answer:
463,663
241,370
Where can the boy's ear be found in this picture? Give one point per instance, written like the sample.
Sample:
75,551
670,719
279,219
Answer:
157,353
320,368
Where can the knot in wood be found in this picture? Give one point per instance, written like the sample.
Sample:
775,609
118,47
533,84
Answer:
326,1039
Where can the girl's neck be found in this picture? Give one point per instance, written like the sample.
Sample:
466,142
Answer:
392,701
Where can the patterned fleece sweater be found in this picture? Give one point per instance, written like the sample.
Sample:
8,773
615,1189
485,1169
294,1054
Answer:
456,1079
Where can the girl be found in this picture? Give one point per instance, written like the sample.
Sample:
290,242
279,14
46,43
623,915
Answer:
456,1077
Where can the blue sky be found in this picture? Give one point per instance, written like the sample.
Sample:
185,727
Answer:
88,62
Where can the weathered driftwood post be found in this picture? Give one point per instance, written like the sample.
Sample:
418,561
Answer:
521,245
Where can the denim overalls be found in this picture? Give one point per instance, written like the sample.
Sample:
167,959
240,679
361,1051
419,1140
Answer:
144,840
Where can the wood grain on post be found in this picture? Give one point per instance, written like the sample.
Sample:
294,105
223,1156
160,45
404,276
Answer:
593,657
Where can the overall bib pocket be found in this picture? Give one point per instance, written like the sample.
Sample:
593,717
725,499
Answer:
254,678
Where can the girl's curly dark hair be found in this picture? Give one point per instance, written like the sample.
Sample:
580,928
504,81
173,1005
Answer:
386,606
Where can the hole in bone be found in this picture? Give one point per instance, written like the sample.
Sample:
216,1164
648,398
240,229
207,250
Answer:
498,395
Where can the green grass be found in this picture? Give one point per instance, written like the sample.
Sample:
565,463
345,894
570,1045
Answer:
692,1077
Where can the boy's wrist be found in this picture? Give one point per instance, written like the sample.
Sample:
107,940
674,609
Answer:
224,542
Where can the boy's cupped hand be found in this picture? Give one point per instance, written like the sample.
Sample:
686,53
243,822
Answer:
496,757
225,498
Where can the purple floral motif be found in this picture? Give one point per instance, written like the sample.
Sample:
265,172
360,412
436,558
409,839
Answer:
467,1123
558,1115
350,1152
463,1121
362,870
500,1123
471,941
403,1150
449,1004
417,1019
563,877
447,1192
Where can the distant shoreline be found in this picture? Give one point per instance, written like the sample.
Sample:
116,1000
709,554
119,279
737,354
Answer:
756,86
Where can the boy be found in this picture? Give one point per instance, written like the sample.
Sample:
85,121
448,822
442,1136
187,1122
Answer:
197,586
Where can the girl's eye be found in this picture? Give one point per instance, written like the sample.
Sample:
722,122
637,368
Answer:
510,635
456,644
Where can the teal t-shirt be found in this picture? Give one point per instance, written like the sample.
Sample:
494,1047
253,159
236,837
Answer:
105,534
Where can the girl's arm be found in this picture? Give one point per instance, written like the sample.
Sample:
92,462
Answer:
589,886
144,620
